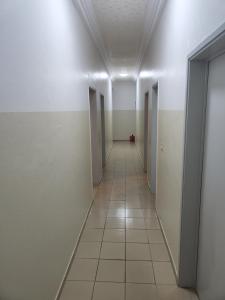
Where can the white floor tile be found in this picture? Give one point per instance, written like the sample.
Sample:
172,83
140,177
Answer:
115,223
92,235
79,290
112,251
136,236
159,252
135,223
163,273
137,251
139,272
155,236
88,250
83,269
109,291
141,292
111,270
114,235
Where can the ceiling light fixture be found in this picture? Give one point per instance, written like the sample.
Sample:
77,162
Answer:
123,74
100,75
146,74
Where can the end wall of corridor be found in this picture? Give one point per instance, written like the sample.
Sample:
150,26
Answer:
124,110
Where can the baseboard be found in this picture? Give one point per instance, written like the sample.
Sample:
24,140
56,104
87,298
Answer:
59,291
168,248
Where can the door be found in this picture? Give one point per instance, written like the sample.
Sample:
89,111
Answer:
94,136
146,132
154,117
211,252
103,129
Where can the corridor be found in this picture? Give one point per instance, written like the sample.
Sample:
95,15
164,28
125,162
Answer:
122,253
112,149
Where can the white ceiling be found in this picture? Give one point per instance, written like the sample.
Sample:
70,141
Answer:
122,24
121,29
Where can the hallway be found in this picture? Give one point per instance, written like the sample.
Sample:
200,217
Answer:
79,79
122,253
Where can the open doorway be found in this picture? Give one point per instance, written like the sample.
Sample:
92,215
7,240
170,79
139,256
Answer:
103,129
153,143
94,135
146,121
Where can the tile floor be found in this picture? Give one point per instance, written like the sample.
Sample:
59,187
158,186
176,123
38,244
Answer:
122,254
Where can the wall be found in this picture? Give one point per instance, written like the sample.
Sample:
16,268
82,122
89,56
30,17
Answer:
48,61
183,25
124,101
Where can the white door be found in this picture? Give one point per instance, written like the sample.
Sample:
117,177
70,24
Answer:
211,255
103,129
94,137
154,117
146,132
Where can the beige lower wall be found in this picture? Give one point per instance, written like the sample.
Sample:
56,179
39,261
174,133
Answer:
169,173
45,192
123,124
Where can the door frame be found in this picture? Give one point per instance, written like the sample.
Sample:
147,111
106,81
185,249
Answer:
102,104
155,91
146,130
196,104
93,123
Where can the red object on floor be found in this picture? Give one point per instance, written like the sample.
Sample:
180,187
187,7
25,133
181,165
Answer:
132,139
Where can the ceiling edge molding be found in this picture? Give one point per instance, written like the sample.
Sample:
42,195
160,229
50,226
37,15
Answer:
153,12
86,9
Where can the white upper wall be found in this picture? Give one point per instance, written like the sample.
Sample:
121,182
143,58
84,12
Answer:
47,59
124,95
183,25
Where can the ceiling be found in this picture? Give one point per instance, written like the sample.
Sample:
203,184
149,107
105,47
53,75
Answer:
122,30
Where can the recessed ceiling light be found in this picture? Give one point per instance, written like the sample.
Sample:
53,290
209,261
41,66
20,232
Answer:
123,74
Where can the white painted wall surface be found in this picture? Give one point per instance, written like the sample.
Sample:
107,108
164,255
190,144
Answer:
124,109
183,25
48,61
